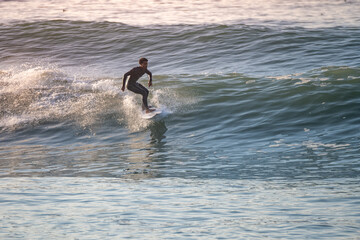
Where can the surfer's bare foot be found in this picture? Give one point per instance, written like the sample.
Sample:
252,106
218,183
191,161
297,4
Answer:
149,110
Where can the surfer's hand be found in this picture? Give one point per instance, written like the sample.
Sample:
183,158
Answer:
150,83
123,88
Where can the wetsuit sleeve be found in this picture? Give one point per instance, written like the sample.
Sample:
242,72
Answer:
125,77
149,73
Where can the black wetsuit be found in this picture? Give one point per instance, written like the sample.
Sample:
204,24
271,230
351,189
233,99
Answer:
136,87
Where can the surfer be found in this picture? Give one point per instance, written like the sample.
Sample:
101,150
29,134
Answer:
134,86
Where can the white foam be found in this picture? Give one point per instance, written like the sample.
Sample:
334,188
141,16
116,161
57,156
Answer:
316,145
36,94
107,86
14,121
303,81
132,113
36,77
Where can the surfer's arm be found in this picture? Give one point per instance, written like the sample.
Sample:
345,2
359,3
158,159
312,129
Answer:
126,75
150,75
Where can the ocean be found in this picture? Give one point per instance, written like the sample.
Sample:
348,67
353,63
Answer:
259,136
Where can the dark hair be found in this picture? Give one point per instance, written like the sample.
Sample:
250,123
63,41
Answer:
142,60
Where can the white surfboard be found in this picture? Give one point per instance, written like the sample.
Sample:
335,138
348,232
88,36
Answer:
150,115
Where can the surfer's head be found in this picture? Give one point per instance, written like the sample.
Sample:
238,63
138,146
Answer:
143,62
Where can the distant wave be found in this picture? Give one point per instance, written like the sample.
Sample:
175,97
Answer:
181,48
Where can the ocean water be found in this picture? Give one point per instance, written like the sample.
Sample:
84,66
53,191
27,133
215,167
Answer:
259,136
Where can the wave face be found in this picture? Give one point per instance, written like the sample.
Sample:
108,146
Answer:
230,118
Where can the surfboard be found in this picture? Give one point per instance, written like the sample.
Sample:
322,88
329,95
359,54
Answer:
150,115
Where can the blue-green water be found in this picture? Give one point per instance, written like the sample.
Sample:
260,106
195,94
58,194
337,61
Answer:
259,136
